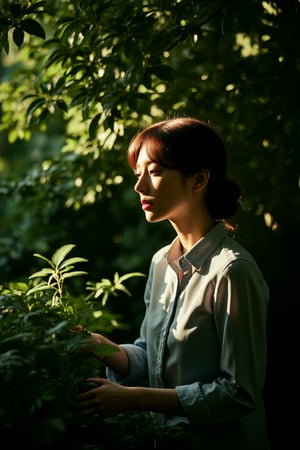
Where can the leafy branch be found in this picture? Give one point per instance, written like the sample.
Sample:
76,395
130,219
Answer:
107,287
54,276
60,269
16,19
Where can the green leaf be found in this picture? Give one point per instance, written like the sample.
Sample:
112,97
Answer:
33,27
5,43
130,275
43,114
37,103
18,36
59,327
34,7
61,253
38,255
16,337
19,286
41,287
105,298
70,261
62,105
41,273
98,292
122,288
93,126
75,274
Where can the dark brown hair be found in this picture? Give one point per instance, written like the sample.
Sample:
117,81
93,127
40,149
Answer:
190,145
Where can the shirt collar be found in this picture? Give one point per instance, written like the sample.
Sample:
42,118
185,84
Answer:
201,250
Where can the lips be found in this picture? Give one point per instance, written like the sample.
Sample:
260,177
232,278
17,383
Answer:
146,205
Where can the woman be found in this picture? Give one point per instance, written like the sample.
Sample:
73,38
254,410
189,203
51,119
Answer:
200,358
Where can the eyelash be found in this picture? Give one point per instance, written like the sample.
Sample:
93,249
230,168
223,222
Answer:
151,172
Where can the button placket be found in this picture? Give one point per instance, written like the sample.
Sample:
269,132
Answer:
164,335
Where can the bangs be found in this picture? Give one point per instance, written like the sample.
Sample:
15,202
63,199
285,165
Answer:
155,143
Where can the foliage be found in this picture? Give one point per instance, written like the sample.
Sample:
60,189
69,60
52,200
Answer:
78,79
19,21
43,364
60,269
104,69
41,354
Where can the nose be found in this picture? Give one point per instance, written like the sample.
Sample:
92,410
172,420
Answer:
141,185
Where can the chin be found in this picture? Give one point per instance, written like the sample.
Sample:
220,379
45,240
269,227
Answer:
153,219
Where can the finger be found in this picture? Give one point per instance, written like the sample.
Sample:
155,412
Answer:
86,385
84,396
98,381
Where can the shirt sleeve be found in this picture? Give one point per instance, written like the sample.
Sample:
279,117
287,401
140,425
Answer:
240,302
138,367
137,352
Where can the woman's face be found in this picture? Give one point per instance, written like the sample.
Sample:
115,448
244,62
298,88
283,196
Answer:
165,194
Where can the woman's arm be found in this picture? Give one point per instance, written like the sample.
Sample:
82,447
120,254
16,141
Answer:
110,398
118,361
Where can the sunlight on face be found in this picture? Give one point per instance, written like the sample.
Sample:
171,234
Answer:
164,193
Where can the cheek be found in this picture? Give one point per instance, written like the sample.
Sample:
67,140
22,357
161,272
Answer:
171,195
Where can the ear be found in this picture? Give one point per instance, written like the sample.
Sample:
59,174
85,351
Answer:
200,179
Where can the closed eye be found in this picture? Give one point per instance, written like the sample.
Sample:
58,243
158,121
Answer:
151,172
155,172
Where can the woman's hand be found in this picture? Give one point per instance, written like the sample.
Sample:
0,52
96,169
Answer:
117,361
107,399
92,339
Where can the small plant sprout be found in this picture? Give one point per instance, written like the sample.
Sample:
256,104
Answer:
107,287
59,269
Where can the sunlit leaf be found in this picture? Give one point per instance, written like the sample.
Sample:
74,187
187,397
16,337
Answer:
61,253
41,273
37,103
70,261
75,274
41,287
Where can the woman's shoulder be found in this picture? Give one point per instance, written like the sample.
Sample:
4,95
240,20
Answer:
238,262
234,256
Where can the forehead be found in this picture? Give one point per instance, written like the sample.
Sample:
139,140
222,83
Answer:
144,156
154,147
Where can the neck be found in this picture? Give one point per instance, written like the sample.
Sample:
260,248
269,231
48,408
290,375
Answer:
192,233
